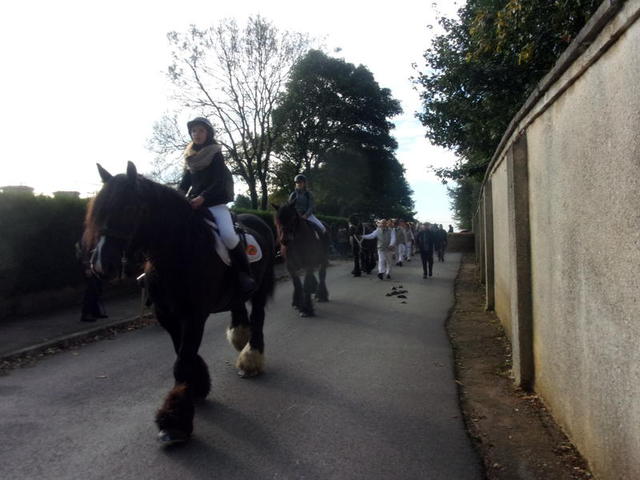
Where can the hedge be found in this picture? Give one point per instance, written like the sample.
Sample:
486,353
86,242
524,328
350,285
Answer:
37,243
267,215
38,236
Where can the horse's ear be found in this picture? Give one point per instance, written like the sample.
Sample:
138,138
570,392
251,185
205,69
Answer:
104,175
132,173
277,207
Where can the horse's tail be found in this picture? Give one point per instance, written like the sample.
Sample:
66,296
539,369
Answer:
269,279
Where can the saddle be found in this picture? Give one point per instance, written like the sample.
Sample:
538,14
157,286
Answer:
249,242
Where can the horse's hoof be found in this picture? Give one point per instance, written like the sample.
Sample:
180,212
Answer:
167,438
307,314
246,374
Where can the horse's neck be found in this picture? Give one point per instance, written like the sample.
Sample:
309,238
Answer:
305,228
173,233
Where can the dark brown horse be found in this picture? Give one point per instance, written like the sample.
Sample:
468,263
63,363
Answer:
364,251
186,278
305,249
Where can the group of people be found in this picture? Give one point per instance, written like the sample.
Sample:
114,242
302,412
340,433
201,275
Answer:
397,241
208,184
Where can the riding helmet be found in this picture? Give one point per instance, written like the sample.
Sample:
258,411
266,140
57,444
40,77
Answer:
300,178
205,123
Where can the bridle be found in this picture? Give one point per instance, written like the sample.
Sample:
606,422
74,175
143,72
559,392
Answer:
125,237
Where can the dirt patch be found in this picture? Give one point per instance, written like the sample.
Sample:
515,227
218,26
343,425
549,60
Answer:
512,430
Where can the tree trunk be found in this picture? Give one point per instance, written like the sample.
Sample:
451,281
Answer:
264,194
253,193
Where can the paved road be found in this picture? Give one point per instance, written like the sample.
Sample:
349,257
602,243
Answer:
363,390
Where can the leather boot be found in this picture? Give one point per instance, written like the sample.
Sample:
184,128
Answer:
240,265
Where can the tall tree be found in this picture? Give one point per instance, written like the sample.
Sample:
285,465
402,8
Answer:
483,67
234,76
330,103
336,128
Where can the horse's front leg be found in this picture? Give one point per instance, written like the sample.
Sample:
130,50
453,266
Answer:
239,330
298,296
175,416
323,293
310,286
251,359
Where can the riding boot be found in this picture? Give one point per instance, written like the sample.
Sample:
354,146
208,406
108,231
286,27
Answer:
242,270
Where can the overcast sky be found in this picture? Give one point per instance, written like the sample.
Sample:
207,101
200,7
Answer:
83,81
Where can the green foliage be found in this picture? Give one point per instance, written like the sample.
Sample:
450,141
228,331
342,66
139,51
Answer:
367,182
483,67
268,217
334,124
37,244
464,196
242,201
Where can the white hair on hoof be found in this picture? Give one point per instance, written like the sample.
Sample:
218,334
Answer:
238,337
250,362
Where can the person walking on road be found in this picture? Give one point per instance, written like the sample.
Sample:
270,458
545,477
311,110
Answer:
425,243
207,183
92,307
401,242
441,242
355,242
409,239
386,239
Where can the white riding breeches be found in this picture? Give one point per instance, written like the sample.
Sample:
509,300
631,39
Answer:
312,218
401,252
228,234
385,259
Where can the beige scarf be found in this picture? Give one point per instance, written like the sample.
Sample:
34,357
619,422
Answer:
201,159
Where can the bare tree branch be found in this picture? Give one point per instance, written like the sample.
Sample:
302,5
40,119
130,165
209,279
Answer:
235,77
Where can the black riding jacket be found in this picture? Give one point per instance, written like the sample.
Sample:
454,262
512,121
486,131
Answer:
425,241
214,183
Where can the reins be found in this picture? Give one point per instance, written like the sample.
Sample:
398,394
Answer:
127,237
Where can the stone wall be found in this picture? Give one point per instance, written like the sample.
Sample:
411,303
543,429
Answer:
565,265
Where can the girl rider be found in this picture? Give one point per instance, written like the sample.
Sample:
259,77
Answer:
207,183
302,199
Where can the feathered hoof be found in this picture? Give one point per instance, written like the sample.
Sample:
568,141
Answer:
175,416
238,337
168,438
250,363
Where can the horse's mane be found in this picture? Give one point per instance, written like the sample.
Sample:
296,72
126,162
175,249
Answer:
173,204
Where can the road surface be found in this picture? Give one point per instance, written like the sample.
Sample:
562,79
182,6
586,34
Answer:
363,390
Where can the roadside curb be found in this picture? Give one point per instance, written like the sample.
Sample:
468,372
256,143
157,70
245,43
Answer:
69,339
90,333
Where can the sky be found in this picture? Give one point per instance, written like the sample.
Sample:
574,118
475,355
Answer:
83,81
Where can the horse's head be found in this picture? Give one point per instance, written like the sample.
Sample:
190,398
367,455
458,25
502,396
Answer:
287,222
112,220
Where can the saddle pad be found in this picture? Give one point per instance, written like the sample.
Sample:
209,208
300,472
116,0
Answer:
253,250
